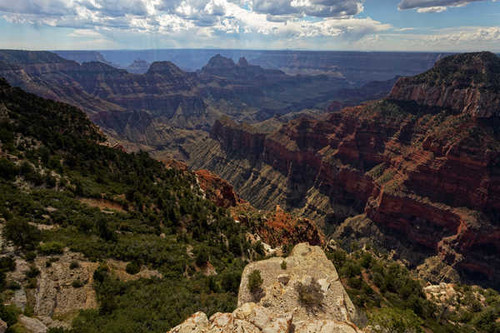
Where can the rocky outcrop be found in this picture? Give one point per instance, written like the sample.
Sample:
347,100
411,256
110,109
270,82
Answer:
427,174
280,309
32,325
278,228
139,66
223,67
56,294
465,83
217,189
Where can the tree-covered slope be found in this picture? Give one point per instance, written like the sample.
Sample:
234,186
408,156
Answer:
54,166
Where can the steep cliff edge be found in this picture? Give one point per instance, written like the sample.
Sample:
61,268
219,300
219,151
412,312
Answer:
275,228
282,307
466,83
425,170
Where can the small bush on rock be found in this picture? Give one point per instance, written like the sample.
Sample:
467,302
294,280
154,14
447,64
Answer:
77,283
51,248
254,284
74,264
311,295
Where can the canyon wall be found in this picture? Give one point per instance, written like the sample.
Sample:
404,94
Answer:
425,170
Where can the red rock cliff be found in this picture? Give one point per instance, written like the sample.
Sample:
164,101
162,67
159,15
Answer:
423,164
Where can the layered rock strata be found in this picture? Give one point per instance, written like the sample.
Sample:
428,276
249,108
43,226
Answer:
426,171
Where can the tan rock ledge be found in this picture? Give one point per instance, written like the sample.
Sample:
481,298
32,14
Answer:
280,309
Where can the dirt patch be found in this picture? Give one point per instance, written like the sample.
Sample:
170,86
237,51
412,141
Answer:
103,204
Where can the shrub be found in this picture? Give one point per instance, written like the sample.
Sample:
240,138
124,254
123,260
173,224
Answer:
283,265
259,248
51,248
230,281
311,295
254,281
338,257
7,264
350,269
396,320
354,282
29,311
8,170
101,272
9,314
104,231
30,256
33,272
13,285
74,264
254,285
22,234
77,283
202,257
366,260
133,268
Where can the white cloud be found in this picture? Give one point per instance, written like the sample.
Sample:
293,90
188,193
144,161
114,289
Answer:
437,9
434,6
39,7
315,8
119,7
317,24
456,39
466,35
84,33
288,19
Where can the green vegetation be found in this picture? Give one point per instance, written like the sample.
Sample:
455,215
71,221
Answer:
21,233
74,265
56,163
77,283
133,268
9,314
254,281
394,299
464,69
255,285
310,295
51,248
283,265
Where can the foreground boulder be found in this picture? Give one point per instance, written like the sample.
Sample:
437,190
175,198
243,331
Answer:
276,306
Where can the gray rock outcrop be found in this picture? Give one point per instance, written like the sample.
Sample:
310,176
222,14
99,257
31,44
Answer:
277,307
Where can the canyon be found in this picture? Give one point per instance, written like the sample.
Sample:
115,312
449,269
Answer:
163,109
117,241
421,166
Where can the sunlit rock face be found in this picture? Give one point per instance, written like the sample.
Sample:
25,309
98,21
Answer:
278,307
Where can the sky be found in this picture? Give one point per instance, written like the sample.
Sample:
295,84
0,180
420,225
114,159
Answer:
365,25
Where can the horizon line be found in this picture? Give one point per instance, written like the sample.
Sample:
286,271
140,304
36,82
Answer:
249,49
